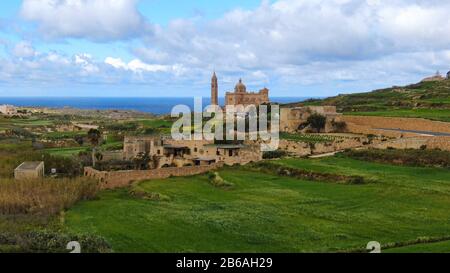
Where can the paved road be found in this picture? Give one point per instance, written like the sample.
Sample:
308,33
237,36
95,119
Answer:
324,155
416,132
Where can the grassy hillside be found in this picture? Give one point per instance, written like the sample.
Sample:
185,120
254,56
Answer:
429,100
269,213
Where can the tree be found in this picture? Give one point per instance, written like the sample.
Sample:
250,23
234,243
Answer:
317,122
141,161
94,136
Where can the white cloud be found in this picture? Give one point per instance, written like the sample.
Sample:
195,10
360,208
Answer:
23,50
138,67
338,44
98,20
290,36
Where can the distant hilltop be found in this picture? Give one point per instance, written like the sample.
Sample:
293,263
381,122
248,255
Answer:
430,98
437,77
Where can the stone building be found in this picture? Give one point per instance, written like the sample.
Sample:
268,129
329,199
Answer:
448,75
176,153
133,146
292,118
29,170
8,110
214,90
240,96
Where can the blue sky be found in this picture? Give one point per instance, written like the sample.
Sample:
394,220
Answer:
169,48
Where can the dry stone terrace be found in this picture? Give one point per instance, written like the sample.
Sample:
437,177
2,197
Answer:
119,179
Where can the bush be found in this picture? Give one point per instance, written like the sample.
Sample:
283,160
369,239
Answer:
137,192
339,126
218,182
411,157
317,121
52,242
273,168
356,180
275,154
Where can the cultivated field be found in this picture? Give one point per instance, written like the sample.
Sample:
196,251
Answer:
269,213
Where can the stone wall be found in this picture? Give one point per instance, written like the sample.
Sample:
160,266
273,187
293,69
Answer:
118,179
112,155
442,143
305,149
415,124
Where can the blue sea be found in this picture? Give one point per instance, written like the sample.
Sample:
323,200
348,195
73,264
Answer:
149,105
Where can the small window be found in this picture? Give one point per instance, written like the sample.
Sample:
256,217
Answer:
195,149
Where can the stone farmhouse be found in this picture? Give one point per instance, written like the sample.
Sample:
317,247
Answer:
292,118
240,96
174,153
29,170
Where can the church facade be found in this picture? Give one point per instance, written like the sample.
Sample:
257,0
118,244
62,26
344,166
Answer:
240,96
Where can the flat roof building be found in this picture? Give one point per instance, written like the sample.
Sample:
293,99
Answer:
29,170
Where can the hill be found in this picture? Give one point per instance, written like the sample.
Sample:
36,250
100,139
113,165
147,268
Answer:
428,99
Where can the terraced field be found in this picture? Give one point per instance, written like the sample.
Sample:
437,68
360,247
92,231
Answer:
269,213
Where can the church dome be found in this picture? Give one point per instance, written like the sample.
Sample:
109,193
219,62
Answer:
240,87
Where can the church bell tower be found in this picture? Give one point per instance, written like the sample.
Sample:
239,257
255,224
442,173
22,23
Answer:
214,90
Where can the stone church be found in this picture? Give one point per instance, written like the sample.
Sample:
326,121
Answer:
240,96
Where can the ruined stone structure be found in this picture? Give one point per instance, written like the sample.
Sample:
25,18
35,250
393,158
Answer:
292,118
175,153
118,179
29,170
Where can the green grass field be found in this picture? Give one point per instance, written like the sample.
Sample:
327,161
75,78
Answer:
155,123
63,135
439,247
310,138
66,152
266,213
433,114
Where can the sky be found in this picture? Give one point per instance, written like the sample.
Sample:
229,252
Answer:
170,48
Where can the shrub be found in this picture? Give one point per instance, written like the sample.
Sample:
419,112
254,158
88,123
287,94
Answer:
275,154
356,180
317,121
273,168
139,193
339,126
218,182
52,242
419,158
